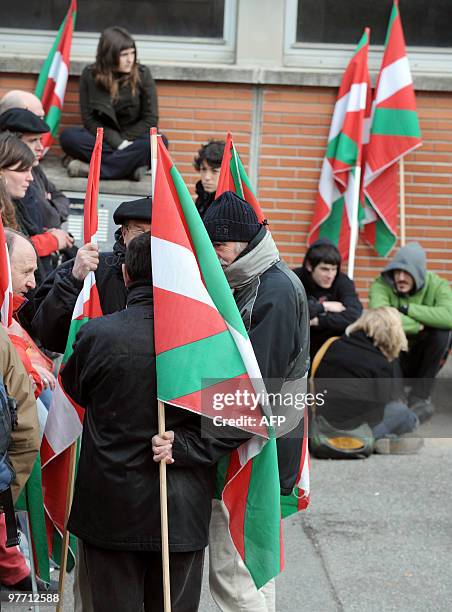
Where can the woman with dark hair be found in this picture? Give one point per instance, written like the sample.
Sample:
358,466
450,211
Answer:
16,162
118,94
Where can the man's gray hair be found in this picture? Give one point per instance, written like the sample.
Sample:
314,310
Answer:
11,237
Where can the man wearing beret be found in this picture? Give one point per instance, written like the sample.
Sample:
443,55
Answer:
56,297
46,206
273,306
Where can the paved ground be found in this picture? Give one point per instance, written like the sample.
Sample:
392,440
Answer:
377,538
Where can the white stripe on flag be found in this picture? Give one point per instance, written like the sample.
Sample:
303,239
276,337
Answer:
59,73
84,295
63,425
175,269
354,100
327,187
250,449
394,77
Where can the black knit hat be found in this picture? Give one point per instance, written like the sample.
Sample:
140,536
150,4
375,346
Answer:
138,210
23,121
231,219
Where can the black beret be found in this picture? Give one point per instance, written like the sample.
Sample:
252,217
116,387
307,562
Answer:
140,210
23,121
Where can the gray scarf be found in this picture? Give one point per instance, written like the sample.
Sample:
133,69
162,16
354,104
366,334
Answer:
242,271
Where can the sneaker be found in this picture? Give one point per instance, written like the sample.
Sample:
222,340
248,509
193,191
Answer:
140,173
77,169
407,444
422,408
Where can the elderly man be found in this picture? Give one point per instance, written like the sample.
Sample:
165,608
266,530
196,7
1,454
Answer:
56,297
424,301
274,308
18,98
47,206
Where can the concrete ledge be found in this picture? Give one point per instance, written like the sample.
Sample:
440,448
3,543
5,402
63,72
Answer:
221,73
58,175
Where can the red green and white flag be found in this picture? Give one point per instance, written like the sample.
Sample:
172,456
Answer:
202,348
233,177
6,286
333,213
300,497
52,80
64,422
394,133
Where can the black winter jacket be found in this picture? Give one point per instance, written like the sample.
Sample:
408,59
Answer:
330,323
116,501
127,118
358,382
55,299
204,199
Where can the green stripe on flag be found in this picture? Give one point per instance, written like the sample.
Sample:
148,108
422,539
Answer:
343,148
214,278
395,122
331,227
76,324
392,18
53,119
243,175
220,478
44,74
200,361
363,41
384,239
262,520
31,500
234,168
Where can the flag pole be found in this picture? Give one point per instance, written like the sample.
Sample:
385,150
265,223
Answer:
354,223
161,423
164,518
402,203
66,534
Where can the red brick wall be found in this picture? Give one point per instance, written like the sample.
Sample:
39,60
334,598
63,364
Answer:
294,133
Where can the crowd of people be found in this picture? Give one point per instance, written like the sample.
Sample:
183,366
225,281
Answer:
378,366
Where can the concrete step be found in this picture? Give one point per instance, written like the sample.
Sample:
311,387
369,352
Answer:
57,174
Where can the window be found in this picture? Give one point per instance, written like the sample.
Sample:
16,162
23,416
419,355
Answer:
165,30
193,18
426,24
320,34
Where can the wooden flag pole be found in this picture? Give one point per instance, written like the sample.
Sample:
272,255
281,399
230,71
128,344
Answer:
402,203
66,535
354,223
164,518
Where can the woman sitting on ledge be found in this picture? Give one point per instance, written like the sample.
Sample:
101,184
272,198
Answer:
118,94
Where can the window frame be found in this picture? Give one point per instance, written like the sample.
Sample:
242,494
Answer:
18,42
324,57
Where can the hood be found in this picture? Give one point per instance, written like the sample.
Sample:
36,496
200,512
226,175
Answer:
259,256
411,259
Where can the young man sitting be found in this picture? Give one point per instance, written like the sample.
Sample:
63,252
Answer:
333,301
424,300
208,163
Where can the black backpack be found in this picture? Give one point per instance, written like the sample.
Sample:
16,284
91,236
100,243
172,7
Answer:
8,422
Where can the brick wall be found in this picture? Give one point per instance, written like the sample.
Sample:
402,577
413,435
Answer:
294,133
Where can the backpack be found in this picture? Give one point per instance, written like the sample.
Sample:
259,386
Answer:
8,422
329,442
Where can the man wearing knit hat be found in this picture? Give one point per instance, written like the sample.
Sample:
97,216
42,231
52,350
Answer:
273,306
55,298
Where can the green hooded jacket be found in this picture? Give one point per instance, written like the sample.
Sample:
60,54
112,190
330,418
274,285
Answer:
429,303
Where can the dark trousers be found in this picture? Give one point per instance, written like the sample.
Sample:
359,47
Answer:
78,142
425,357
126,580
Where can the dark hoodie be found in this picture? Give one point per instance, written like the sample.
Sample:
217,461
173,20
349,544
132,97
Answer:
429,304
204,199
342,290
